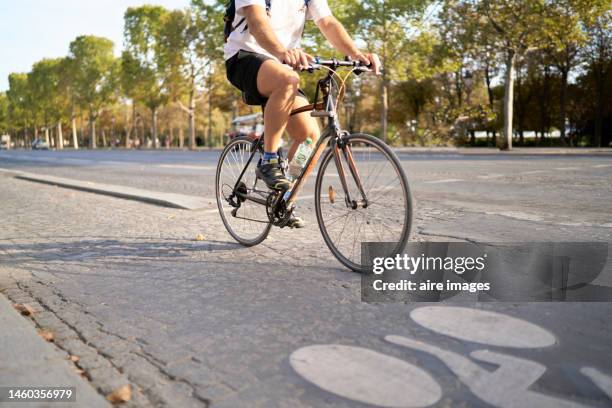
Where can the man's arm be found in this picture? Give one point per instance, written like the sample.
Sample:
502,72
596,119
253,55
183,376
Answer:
336,34
259,27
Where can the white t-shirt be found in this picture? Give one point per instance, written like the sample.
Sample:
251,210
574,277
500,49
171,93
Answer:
287,18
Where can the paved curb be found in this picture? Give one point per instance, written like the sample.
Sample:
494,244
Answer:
171,200
26,360
523,151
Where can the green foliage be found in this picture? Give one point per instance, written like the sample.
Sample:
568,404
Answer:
143,75
21,109
190,46
48,96
4,114
93,70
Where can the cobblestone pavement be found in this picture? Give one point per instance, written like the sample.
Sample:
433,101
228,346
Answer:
125,286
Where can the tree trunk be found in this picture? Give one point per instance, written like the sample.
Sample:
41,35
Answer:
563,104
35,132
75,141
544,120
92,132
143,135
170,137
489,89
82,126
384,102
520,106
384,108
599,84
103,138
60,136
192,130
181,137
458,89
209,136
509,99
154,127
136,137
47,135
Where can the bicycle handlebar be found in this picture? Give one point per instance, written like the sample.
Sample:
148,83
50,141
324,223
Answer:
335,63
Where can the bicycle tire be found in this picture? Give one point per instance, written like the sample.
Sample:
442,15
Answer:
242,140
390,155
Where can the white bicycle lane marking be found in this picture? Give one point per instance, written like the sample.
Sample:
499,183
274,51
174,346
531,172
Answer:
352,372
367,376
507,386
479,326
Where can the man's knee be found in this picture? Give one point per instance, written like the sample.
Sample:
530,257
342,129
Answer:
289,82
274,78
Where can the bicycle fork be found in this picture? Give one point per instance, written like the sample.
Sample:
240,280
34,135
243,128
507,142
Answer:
340,145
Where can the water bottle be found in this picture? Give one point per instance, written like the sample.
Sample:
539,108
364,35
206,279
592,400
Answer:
300,158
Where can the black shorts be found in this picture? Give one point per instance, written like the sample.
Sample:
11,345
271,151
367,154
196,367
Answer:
242,70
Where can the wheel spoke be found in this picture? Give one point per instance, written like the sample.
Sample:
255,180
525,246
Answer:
387,216
250,225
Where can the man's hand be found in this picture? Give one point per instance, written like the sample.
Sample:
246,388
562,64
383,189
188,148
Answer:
297,58
369,59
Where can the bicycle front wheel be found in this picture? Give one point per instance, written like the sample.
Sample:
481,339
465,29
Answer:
245,220
388,214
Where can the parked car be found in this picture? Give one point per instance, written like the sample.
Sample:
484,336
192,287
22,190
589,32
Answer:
40,144
5,142
249,125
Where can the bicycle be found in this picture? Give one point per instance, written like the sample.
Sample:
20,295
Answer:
380,213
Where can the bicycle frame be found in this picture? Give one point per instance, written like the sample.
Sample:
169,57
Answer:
332,136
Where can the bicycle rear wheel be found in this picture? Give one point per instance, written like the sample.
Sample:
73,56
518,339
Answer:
246,221
388,215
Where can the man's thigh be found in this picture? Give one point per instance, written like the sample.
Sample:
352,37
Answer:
302,126
272,75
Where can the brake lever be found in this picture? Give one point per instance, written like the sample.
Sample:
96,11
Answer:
360,70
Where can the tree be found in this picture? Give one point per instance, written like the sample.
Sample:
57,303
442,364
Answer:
49,96
143,74
566,35
384,27
95,70
68,85
20,112
597,52
190,45
516,25
4,119
472,43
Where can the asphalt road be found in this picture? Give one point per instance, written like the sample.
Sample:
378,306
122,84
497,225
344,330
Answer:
125,286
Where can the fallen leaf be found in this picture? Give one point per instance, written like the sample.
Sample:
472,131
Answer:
24,309
199,237
121,394
74,359
46,334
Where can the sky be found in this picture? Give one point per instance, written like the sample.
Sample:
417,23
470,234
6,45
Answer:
34,29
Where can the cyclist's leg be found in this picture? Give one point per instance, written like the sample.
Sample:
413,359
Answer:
301,126
280,85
